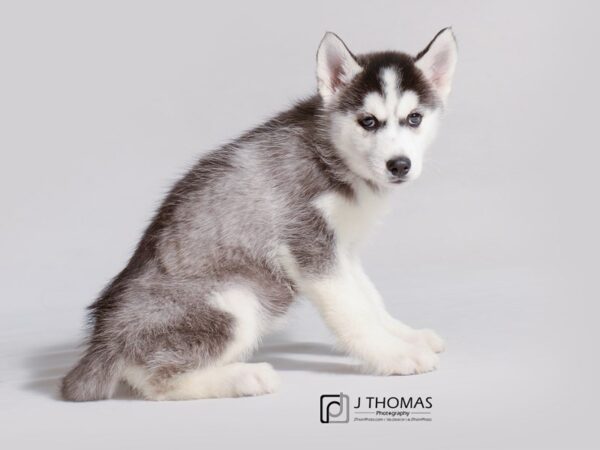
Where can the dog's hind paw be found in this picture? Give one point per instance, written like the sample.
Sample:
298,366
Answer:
257,379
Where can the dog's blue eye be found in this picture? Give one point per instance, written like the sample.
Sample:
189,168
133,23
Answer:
414,119
369,123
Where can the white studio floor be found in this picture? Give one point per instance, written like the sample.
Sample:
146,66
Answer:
490,392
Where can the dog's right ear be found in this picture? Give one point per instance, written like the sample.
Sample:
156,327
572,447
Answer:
336,66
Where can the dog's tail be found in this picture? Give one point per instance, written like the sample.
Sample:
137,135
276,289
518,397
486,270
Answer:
95,376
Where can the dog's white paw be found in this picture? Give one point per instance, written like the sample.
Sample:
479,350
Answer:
419,360
424,336
257,379
431,339
415,360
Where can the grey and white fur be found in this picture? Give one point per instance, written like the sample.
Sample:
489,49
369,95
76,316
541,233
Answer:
275,214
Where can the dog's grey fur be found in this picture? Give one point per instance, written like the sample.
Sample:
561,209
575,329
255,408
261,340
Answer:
224,223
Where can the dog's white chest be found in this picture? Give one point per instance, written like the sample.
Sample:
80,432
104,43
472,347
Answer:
352,218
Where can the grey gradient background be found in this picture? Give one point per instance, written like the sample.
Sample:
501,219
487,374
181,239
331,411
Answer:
103,106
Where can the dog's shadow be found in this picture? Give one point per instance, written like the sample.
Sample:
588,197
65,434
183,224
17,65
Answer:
49,364
277,354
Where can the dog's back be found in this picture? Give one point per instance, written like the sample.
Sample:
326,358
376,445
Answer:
233,217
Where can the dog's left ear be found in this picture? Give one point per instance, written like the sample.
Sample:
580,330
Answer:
336,66
438,61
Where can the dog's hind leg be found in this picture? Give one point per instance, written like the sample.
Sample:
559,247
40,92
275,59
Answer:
229,380
182,367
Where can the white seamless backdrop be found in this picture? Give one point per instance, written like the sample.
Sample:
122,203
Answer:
104,104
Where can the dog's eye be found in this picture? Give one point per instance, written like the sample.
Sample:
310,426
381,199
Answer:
414,119
369,123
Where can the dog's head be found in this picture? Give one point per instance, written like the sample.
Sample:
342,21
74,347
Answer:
383,108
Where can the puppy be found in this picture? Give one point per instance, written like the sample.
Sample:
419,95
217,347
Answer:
275,214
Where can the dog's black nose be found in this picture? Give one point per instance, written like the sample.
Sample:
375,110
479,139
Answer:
399,166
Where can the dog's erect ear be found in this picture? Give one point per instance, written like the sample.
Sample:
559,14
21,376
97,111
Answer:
438,61
336,66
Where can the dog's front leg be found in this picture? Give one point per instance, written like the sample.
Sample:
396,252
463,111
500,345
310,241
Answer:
355,319
422,336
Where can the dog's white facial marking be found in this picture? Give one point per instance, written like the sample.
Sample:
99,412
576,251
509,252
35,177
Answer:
367,152
374,104
406,104
394,105
390,90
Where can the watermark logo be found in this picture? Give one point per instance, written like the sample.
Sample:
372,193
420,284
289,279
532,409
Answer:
335,408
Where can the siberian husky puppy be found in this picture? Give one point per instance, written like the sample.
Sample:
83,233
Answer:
275,214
